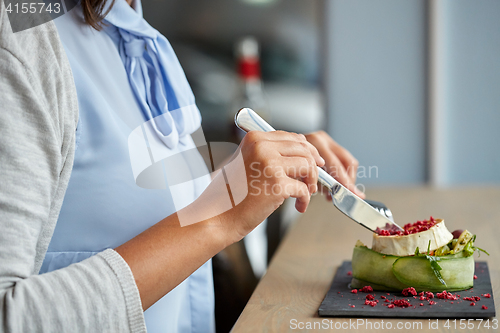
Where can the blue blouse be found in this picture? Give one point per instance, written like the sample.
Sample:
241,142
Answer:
104,206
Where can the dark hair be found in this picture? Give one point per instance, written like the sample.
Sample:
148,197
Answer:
92,12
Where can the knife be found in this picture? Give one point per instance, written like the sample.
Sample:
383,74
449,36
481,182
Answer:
347,202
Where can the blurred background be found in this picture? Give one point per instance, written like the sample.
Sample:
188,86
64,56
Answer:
411,88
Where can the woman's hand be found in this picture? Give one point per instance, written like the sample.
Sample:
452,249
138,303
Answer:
340,164
278,165
266,169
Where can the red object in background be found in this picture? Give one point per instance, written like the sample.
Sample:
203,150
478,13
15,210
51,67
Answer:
249,68
247,53
250,91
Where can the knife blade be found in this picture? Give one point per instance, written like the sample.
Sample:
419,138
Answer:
347,202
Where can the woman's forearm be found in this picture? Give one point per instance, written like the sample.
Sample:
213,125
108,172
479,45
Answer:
166,254
264,172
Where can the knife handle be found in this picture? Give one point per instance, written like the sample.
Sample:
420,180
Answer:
247,120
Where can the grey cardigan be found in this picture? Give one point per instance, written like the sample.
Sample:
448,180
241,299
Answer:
38,118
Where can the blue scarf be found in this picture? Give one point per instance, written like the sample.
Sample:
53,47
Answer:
155,75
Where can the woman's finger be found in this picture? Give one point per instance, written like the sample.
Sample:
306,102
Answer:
279,136
336,165
337,170
302,168
289,144
297,189
350,163
303,149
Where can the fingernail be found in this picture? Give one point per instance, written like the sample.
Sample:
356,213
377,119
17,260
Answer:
322,160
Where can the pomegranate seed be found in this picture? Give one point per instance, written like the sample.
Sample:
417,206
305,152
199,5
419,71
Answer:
371,303
402,303
446,295
409,291
366,289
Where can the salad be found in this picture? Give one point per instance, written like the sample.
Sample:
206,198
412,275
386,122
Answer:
425,256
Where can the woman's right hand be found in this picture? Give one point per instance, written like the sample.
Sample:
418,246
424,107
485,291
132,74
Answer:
266,169
278,165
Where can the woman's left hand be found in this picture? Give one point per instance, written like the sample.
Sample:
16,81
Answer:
340,163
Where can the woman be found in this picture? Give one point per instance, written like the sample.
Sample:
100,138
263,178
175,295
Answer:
126,74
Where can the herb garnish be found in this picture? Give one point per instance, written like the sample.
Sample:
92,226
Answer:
470,248
433,261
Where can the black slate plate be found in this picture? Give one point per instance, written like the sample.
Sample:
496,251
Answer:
338,300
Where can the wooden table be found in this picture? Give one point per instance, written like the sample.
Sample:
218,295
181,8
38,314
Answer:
302,270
